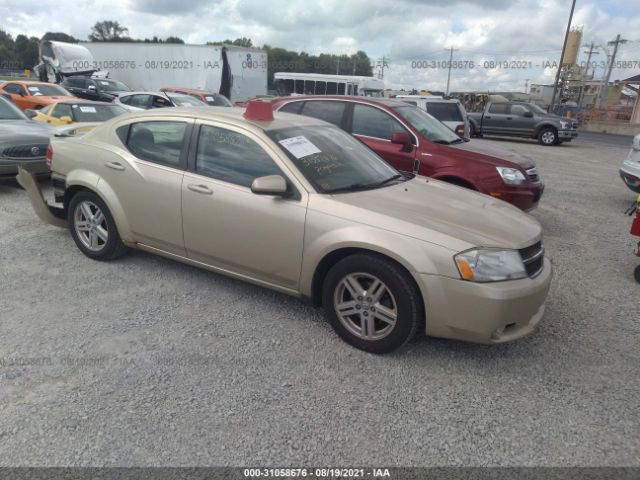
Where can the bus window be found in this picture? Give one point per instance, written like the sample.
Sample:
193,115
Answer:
332,88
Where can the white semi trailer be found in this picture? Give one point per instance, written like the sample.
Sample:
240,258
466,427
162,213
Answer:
237,72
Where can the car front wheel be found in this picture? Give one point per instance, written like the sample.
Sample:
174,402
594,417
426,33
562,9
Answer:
372,303
548,137
93,228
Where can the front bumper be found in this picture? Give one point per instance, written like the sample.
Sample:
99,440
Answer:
484,312
47,213
526,196
567,134
9,168
630,174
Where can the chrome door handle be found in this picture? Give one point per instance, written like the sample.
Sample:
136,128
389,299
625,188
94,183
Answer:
200,189
114,165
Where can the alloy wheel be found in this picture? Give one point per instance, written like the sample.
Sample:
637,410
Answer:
91,225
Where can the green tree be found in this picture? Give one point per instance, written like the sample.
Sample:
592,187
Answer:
60,37
109,31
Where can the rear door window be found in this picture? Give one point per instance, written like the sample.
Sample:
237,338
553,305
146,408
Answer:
158,142
445,111
499,108
293,107
140,101
62,110
373,122
14,88
328,111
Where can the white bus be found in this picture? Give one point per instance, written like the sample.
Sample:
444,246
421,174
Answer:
319,84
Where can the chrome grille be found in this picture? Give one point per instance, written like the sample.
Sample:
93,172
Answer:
533,259
533,175
25,151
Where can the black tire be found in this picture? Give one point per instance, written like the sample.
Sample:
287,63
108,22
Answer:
548,137
472,131
103,250
401,296
636,274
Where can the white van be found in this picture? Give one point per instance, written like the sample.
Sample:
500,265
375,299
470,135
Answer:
449,112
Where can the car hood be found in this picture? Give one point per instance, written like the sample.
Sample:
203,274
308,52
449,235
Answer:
491,154
440,213
17,132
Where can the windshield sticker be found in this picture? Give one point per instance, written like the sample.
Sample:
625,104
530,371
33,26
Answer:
208,98
299,146
34,89
104,83
88,109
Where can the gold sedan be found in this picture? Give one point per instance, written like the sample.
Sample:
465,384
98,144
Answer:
75,111
297,205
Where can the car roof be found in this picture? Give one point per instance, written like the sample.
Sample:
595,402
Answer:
26,82
387,102
232,115
190,90
159,93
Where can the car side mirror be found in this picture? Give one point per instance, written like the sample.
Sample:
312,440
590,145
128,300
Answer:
66,119
270,185
402,138
528,114
91,88
30,113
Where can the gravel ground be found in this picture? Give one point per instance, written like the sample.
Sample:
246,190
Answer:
144,361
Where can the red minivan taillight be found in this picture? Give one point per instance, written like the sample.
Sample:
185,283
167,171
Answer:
460,130
49,157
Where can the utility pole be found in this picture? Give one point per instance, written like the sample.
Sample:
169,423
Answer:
451,50
382,64
605,87
526,85
584,74
564,47
338,66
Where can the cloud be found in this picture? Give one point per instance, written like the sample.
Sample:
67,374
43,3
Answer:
403,31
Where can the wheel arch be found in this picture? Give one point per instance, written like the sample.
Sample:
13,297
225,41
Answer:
334,256
542,126
105,193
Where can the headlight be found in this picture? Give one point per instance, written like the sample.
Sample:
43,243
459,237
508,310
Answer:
511,176
490,265
564,125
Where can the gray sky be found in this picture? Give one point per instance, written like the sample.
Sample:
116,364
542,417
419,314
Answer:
404,31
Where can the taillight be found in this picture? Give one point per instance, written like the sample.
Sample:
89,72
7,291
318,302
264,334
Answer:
460,130
49,157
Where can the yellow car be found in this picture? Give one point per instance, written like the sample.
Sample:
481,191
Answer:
75,111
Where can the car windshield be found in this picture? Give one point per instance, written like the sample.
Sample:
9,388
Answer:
218,101
332,160
96,112
186,101
113,86
427,126
8,111
47,90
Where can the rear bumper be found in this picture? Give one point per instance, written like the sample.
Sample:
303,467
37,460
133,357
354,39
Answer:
484,312
47,213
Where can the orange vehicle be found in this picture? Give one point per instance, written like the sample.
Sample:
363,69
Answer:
34,95
210,98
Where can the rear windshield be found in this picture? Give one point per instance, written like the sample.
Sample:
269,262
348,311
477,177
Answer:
445,112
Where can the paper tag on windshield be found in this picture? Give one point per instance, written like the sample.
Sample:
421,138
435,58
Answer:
104,83
299,146
88,109
208,98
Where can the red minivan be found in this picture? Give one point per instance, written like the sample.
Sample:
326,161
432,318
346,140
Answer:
412,140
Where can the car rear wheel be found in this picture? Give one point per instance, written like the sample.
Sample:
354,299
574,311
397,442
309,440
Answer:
93,228
548,137
372,303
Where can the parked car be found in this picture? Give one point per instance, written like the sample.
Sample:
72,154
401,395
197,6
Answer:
97,89
138,101
34,95
210,98
413,141
74,111
448,111
630,170
520,119
297,205
22,142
